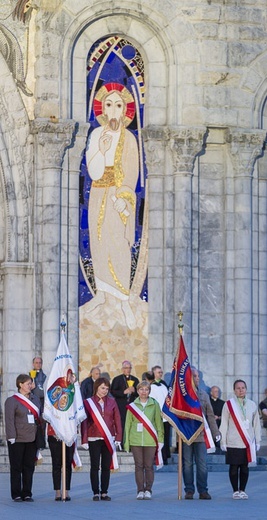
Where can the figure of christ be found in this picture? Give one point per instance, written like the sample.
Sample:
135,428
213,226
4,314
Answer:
112,163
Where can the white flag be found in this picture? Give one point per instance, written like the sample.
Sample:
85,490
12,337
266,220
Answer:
63,406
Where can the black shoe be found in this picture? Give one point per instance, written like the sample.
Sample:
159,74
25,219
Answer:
204,496
28,499
67,499
189,495
17,499
96,498
105,497
58,499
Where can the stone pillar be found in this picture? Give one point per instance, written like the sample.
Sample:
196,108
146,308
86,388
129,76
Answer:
70,238
262,273
51,140
241,304
209,225
18,322
185,145
160,283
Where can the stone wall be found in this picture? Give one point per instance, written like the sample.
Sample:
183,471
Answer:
205,131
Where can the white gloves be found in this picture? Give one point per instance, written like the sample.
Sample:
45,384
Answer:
258,447
118,445
85,446
12,441
223,448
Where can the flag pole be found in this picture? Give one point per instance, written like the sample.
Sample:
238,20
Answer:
180,445
63,327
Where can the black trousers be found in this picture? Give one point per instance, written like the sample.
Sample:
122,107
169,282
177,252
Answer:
56,455
99,451
166,447
22,465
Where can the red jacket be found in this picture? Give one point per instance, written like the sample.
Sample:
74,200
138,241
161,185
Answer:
111,417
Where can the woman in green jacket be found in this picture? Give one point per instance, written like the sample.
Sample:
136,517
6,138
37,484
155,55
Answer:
144,436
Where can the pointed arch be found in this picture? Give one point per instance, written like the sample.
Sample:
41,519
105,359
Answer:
14,130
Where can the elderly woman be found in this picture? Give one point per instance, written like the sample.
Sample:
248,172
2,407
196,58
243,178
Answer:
144,436
102,432
22,412
241,434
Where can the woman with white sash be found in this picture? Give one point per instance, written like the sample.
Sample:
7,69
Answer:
241,435
144,436
22,414
102,432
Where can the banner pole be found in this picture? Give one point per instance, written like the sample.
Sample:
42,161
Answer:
63,471
180,445
180,463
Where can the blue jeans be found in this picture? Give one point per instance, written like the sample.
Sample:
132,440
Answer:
197,452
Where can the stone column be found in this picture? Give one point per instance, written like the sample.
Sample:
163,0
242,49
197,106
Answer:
262,272
51,140
241,333
18,322
70,238
160,283
185,144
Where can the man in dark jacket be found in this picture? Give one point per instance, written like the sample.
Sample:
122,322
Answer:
216,404
197,450
263,409
87,384
39,378
123,388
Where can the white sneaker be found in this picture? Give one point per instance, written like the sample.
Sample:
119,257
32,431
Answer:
140,495
236,495
148,495
243,495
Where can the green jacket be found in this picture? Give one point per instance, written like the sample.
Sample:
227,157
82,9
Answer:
132,437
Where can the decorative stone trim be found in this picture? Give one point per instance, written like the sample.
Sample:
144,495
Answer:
185,144
54,137
155,139
245,148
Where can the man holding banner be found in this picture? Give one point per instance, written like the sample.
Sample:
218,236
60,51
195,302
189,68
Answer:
189,411
198,449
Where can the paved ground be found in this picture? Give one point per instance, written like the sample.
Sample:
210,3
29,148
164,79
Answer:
124,503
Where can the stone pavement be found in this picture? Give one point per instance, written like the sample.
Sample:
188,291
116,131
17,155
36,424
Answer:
124,503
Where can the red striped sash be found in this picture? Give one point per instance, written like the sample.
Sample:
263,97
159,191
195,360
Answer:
142,418
244,435
105,433
29,405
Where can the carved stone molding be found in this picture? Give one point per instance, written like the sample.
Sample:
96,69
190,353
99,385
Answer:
155,139
245,148
76,152
185,144
54,138
16,268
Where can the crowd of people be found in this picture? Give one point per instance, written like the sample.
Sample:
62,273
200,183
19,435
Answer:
125,414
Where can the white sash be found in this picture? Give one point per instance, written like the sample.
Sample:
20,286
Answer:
208,437
108,438
28,403
243,432
150,429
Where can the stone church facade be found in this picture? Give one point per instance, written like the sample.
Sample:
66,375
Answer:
204,136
